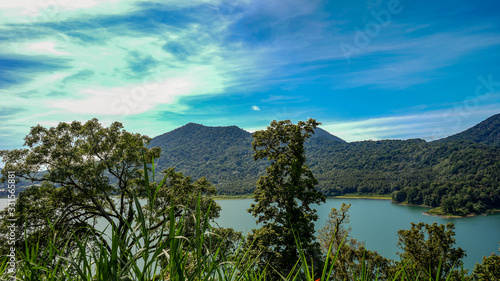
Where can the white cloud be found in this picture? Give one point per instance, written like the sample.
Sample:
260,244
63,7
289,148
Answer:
125,75
127,100
36,11
44,47
429,126
255,108
33,5
111,71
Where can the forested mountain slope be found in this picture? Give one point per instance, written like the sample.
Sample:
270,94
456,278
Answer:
461,172
221,154
486,132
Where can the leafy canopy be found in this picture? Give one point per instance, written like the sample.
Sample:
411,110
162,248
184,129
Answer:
284,195
90,172
429,249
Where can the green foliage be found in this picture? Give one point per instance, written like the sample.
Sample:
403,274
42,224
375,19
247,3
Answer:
181,241
222,154
175,184
92,172
429,249
486,132
488,270
35,208
283,196
96,172
135,256
460,173
464,180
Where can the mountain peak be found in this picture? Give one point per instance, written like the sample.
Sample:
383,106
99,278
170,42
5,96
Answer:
191,124
195,130
318,132
198,133
486,132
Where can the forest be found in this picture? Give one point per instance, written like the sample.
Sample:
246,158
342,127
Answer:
170,236
461,171
458,175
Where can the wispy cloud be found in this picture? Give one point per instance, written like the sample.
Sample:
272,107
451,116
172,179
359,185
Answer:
411,62
105,70
142,60
430,126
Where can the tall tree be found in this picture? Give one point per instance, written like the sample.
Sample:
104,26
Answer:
90,173
284,196
429,249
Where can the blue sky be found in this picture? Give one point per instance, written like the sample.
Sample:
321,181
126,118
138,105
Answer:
365,69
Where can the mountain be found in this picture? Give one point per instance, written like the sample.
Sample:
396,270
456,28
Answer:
221,154
320,133
453,170
460,173
486,132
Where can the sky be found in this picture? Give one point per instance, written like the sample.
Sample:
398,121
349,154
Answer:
376,69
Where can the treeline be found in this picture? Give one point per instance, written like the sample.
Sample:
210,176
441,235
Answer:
171,233
221,154
460,176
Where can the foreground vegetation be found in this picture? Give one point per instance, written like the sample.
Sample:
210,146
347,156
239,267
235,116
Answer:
97,173
459,174
205,254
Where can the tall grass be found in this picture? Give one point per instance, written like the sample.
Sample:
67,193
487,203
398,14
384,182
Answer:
169,253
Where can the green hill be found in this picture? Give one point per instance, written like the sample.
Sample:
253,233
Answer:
460,171
486,132
221,154
460,174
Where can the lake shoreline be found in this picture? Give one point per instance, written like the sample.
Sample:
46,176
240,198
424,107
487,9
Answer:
436,212
232,197
376,222
372,197
361,196
345,196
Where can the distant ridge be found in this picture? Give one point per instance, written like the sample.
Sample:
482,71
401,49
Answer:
326,135
462,170
222,154
486,132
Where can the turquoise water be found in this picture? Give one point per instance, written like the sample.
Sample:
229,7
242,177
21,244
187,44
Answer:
376,223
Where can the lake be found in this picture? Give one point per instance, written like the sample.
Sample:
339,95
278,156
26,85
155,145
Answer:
376,223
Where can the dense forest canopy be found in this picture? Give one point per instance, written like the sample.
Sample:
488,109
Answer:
173,230
459,174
